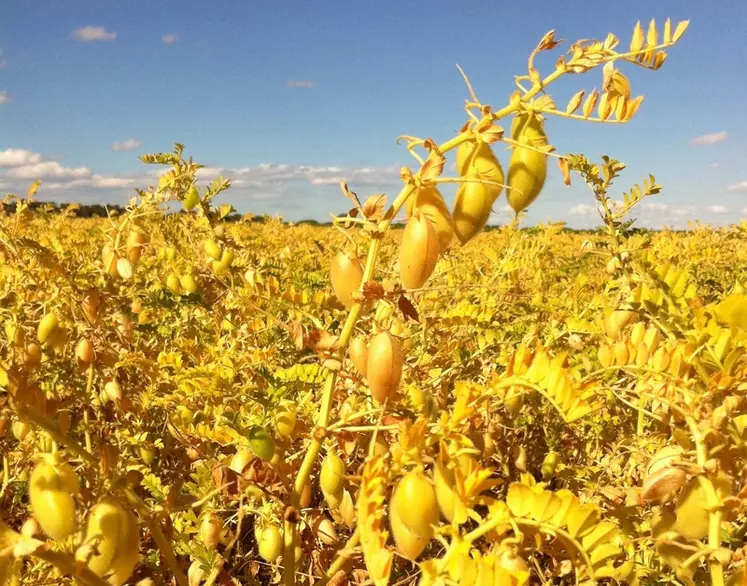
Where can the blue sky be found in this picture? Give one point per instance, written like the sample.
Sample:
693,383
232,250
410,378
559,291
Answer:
286,98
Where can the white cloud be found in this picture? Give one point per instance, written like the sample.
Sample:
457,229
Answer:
713,165
737,186
717,209
710,139
93,33
743,211
296,83
654,206
4,97
47,169
126,145
169,39
583,209
16,157
3,62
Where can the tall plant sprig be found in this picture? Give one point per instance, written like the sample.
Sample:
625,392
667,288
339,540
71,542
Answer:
614,104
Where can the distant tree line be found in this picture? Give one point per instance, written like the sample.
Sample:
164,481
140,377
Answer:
98,210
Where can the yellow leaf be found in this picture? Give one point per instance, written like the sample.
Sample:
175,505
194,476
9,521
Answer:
668,31
652,36
680,30
637,41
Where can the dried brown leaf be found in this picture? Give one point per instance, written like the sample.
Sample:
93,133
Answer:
575,102
548,42
373,209
590,103
659,59
407,308
350,194
433,166
565,168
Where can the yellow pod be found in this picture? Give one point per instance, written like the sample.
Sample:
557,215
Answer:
108,527
418,252
109,258
478,159
173,285
472,208
136,239
605,355
384,367
346,274
270,543
474,201
188,283
128,551
449,502
431,204
51,491
527,168
48,326
331,478
84,354
212,249
359,354
413,512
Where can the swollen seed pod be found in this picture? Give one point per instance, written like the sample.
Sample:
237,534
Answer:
418,252
113,531
261,443
84,354
478,159
212,249
285,423
549,464
472,208
210,530
359,354
413,511
431,204
113,391
346,274
48,325
173,285
270,544
527,169
90,305
474,201
331,478
51,491
188,283
109,258
192,198
384,367
32,355
136,239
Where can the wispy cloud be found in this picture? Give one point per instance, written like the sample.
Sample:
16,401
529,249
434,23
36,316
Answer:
717,209
737,187
126,145
297,83
710,139
583,209
93,33
713,165
4,97
654,206
3,61
169,39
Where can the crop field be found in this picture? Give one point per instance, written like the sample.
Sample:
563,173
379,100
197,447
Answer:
404,397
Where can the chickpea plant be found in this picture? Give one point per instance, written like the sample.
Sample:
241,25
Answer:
196,401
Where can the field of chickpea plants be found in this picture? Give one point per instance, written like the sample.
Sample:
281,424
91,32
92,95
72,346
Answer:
186,400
